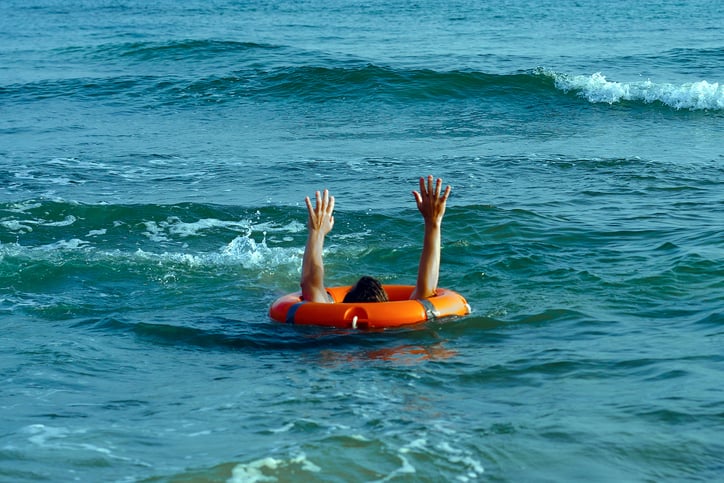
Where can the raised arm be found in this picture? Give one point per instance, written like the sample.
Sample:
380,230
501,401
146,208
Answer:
431,204
319,223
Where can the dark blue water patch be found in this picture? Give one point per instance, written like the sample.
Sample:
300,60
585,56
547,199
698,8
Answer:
371,81
701,63
715,319
417,342
526,372
193,50
692,54
88,88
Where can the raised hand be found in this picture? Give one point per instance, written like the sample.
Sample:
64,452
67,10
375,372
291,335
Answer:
320,217
319,222
430,201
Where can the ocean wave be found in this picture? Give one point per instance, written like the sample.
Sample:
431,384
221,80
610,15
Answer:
243,251
323,83
304,83
320,84
354,81
700,95
147,238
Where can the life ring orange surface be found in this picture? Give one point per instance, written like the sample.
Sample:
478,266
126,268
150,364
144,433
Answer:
399,311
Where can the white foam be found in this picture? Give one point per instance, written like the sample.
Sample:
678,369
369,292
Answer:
292,227
242,250
701,95
405,469
253,472
41,434
284,429
48,252
22,207
69,220
154,232
250,254
418,444
177,227
256,470
63,439
247,251
16,225
72,244
25,225
461,459
306,464
172,257
470,468
79,163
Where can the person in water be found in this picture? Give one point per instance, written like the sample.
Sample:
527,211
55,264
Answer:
431,201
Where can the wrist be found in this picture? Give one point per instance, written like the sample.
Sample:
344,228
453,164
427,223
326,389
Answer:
315,234
431,223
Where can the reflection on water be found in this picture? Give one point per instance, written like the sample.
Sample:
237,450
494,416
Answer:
407,354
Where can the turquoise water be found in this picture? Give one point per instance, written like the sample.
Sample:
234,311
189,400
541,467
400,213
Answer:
154,161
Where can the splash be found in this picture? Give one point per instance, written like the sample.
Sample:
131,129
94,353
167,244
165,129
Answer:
701,95
250,254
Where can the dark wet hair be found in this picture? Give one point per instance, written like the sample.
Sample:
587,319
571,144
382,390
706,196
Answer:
367,289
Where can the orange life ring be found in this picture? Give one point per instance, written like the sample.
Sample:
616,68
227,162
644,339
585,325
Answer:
399,311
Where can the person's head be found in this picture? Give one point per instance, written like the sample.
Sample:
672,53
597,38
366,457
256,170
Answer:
367,289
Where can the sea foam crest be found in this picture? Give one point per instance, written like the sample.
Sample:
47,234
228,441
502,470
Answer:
267,469
596,88
242,250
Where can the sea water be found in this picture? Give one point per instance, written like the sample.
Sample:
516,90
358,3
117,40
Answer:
154,160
